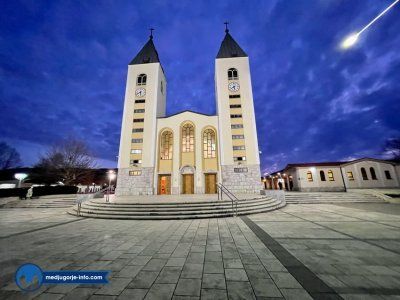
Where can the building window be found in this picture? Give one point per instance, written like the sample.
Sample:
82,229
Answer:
235,106
236,116
387,174
138,110
136,151
237,136
138,120
234,96
240,170
135,173
136,161
140,101
236,126
233,74
309,176
350,176
188,138
322,175
166,145
239,147
137,130
209,143
239,158
137,140
364,174
141,79
330,176
373,174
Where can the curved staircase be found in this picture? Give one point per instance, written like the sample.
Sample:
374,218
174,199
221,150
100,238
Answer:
329,197
174,210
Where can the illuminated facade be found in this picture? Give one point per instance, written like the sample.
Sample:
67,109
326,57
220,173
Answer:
189,152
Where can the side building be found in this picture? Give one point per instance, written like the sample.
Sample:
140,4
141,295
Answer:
364,173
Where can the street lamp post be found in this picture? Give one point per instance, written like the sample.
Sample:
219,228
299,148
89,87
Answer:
20,177
111,176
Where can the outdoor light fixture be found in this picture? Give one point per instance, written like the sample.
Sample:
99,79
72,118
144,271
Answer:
20,177
313,169
350,40
111,176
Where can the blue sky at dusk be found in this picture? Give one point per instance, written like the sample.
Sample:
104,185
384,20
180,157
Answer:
63,68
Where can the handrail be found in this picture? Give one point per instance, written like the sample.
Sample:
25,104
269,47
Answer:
85,197
231,196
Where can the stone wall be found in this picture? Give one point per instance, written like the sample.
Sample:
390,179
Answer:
135,185
246,182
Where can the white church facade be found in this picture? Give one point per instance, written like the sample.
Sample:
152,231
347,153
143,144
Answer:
188,152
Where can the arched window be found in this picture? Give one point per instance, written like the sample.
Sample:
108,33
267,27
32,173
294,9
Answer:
309,176
141,79
166,145
322,175
188,138
209,143
233,74
373,174
364,174
330,176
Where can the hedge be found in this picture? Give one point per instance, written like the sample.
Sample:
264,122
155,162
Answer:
39,191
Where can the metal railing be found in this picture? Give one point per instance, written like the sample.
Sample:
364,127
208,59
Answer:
221,189
80,198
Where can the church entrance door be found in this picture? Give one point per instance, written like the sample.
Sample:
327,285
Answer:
211,183
164,184
188,184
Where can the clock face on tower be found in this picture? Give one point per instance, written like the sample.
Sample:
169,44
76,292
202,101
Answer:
233,86
141,92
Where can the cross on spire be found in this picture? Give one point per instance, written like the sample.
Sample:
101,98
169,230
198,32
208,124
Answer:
226,26
151,33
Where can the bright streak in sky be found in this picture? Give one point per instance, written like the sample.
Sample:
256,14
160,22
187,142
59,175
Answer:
352,38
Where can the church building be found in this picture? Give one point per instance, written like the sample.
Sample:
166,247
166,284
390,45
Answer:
188,152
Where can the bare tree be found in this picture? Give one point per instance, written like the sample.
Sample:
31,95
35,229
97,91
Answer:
9,157
69,161
392,148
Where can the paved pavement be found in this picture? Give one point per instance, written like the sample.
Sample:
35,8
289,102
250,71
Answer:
315,251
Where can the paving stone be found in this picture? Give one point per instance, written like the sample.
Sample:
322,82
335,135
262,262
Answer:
49,296
169,275
129,271
160,291
213,281
296,294
236,275
233,264
192,270
80,293
265,287
114,287
210,294
140,260
133,294
143,280
155,264
188,287
284,280
195,258
213,267
102,297
213,256
240,290
175,262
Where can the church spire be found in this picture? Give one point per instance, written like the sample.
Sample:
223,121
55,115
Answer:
229,47
148,54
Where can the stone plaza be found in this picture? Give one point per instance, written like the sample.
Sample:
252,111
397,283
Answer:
302,251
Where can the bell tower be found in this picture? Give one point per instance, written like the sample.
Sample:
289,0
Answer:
239,154
145,99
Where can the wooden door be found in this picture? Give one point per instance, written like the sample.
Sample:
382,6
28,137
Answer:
164,184
211,183
188,184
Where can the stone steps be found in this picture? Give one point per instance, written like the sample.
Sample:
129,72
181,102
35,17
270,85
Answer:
165,211
330,197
